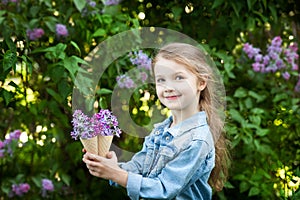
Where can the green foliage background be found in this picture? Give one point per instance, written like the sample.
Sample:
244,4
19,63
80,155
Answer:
37,79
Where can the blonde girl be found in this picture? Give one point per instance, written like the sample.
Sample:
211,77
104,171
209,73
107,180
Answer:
186,155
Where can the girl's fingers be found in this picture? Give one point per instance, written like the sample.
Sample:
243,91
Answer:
90,156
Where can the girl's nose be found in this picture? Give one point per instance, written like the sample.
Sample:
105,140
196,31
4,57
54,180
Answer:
168,88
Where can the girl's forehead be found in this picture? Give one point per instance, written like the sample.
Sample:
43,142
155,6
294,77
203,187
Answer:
170,67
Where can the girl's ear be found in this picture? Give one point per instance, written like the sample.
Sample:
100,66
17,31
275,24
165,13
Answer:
202,85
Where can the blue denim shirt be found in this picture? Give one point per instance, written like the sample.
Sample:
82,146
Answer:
174,163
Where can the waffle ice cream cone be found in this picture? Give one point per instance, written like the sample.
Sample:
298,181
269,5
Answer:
104,143
90,145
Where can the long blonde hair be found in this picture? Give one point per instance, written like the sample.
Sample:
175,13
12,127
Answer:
212,100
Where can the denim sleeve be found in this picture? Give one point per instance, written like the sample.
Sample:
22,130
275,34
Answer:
175,176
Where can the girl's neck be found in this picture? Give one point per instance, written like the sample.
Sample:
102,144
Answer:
178,116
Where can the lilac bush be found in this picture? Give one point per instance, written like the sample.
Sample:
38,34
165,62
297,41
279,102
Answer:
279,58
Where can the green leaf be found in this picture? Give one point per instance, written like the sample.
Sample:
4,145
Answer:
104,91
9,60
103,104
258,97
66,179
254,191
76,47
240,93
72,65
99,32
235,115
54,94
37,181
7,96
279,97
273,12
228,68
262,132
80,4
244,186
55,52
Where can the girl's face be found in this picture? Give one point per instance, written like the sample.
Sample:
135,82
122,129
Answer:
177,87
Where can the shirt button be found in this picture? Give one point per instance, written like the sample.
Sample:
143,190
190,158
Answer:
167,138
157,132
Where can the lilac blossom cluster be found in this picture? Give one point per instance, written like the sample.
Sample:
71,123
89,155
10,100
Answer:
5,146
36,33
61,30
102,123
278,58
143,63
47,186
19,189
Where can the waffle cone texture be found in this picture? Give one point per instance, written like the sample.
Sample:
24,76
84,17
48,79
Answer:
99,145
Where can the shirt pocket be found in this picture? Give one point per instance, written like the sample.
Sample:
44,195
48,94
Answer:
165,155
149,158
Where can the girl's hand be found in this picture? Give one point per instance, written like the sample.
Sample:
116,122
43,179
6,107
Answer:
106,168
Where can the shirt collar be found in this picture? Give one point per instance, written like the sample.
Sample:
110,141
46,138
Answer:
198,119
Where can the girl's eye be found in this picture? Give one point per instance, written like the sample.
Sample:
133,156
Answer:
159,80
177,78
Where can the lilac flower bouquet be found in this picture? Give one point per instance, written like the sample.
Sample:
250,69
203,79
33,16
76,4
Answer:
103,123
95,132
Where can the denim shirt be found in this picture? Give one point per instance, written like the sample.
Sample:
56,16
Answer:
174,163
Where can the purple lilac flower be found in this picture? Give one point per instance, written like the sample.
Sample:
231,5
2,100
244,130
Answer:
292,55
2,144
47,185
250,50
111,2
15,135
143,76
91,3
286,75
61,30
81,126
266,60
276,42
35,33
256,67
108,122
125,81
20,189
141,60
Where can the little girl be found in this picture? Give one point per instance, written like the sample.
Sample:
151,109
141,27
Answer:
185,155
